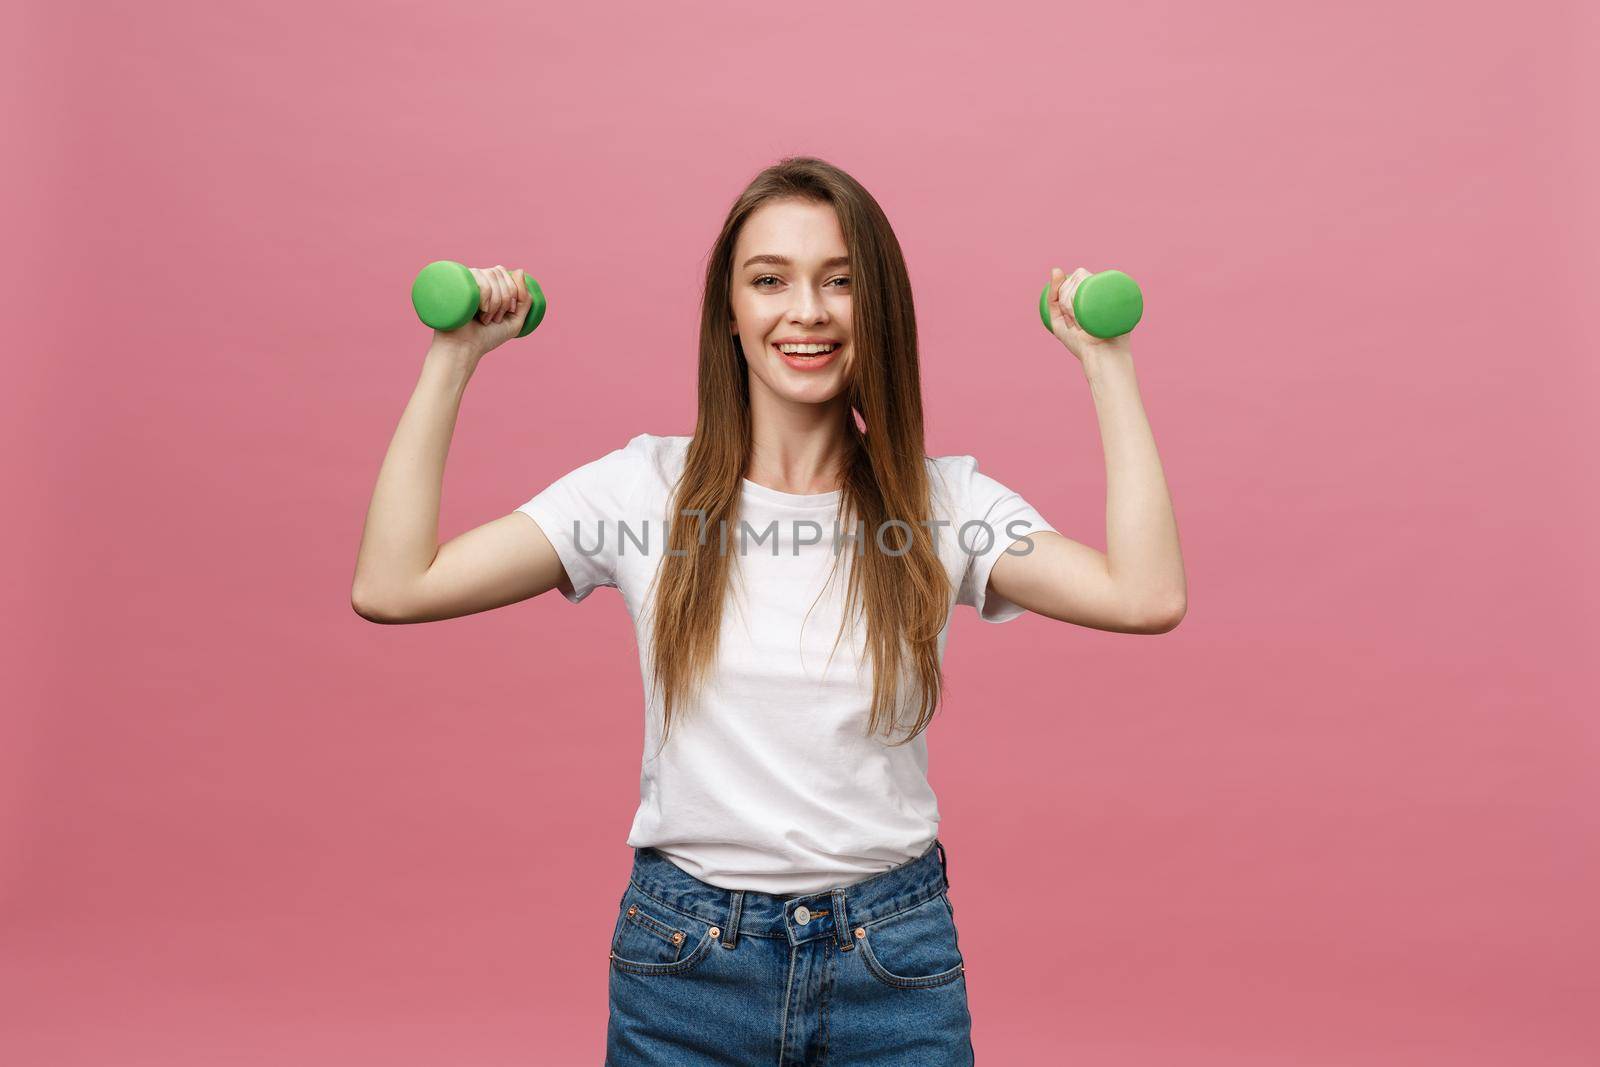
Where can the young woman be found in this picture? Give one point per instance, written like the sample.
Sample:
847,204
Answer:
790,568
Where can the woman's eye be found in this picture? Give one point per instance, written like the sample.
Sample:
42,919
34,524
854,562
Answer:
770,278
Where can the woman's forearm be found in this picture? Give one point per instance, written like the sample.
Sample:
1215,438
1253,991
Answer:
1141,530
401,536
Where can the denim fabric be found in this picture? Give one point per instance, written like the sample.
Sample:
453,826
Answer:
866,975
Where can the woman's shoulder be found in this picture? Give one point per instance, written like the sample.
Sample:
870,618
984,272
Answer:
967,489
948,466
951,471
658,445
948,479
645,448
657,458
645,459
960,468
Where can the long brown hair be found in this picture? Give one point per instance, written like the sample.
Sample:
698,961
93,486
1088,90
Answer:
905,594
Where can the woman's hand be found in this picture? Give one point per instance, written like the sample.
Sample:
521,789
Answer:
503,306
1091,351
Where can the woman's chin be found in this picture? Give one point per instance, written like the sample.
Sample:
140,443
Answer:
810,392
804,387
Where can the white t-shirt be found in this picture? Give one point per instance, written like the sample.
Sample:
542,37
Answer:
770,783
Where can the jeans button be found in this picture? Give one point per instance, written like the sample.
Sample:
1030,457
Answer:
802,915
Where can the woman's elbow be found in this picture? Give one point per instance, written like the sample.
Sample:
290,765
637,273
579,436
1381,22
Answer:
1161,616
374,608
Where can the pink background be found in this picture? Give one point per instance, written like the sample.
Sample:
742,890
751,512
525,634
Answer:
1345,814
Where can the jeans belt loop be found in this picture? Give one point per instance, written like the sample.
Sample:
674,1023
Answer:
730,932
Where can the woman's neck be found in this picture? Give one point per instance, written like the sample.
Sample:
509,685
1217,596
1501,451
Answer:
803,455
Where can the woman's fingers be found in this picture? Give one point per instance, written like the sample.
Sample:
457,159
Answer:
488,294
1060,297
519,290
502,292
484,292
510,307
1066,291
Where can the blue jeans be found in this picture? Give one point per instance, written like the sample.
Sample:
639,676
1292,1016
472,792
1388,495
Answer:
865,975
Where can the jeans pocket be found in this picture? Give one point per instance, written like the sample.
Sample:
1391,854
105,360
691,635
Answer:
916,948
651,938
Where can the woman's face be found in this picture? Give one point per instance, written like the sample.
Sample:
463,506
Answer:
806,298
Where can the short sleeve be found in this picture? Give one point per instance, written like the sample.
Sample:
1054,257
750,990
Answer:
580,512
993,518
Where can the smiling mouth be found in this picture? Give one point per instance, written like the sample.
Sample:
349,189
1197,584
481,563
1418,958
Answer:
809,360
812,350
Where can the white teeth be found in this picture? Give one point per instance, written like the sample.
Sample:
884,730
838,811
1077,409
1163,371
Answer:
804,350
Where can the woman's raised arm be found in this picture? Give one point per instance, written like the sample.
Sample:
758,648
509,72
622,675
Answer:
1138,584
402,573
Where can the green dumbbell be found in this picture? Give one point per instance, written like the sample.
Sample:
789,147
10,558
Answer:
1108,304
445,295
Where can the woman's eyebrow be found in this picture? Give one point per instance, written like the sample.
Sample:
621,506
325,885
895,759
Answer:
785,261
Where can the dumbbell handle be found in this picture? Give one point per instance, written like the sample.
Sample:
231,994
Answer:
1108,304
446,296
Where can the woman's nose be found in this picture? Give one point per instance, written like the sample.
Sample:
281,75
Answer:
807,307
